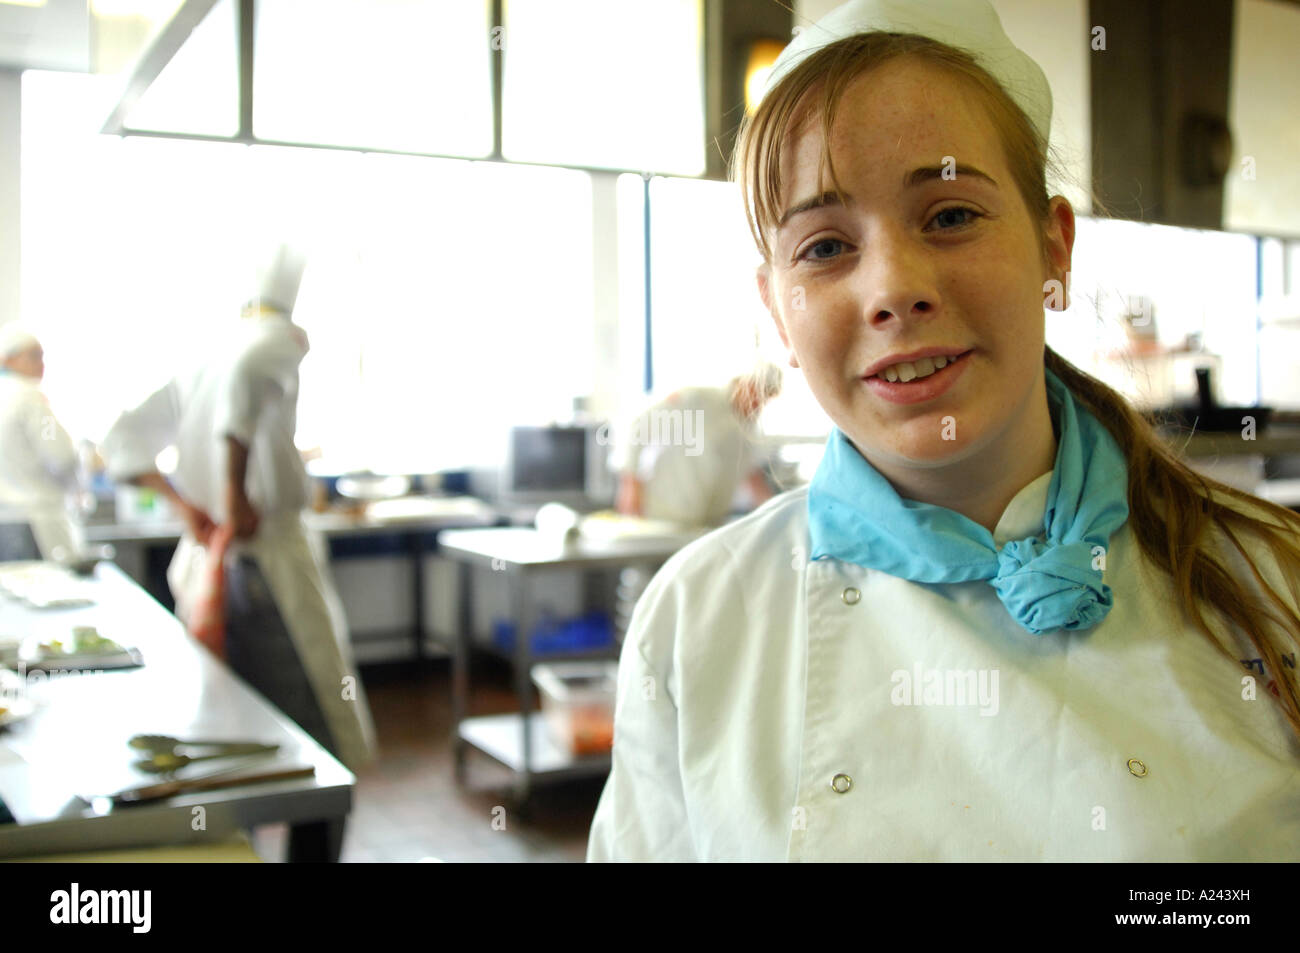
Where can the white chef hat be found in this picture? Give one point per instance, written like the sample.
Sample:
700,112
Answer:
277,277
14,339
970,25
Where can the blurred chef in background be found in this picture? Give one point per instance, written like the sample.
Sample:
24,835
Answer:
683,459
38,462
232,421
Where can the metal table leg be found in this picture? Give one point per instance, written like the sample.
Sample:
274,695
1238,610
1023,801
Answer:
522,610
316,842
416,547
460,668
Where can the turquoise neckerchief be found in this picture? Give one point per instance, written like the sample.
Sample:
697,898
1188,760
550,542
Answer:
1047,583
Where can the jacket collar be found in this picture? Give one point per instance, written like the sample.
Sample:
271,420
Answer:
1024,514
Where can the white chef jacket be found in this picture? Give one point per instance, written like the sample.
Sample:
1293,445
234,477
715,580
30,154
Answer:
752,679
38,463
248,389
690,451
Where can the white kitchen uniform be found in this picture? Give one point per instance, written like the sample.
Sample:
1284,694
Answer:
249,391
690,451
38,465
761,716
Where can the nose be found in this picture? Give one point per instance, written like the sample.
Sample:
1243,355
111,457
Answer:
898,279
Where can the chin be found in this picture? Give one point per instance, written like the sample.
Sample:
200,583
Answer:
922,444
932,453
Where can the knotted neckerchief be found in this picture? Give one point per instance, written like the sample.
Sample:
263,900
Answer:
1045,583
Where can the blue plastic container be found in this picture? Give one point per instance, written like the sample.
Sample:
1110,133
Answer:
586,633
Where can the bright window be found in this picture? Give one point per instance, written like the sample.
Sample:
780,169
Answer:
198,91
1178,282
708,322
403,75
605,85
445,300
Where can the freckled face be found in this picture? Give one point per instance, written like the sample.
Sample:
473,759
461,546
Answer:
911,263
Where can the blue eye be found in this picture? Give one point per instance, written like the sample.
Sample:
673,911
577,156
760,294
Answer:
970,214
828,246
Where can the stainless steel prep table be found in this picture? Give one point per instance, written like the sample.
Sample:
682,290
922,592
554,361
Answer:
75,743
520,554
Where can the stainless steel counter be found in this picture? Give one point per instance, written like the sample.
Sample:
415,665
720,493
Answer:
75,744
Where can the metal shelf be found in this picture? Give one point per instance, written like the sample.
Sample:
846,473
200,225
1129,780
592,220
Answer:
501,737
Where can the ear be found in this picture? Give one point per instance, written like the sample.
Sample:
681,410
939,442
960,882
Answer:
1059,239
768,294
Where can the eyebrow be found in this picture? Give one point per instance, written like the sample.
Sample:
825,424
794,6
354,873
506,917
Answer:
930,173
807,205
914,178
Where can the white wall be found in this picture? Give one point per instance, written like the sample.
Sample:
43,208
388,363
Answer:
1262,114
810,11
1055,34
10,220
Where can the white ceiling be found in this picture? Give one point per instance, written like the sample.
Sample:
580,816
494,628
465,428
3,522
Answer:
55,35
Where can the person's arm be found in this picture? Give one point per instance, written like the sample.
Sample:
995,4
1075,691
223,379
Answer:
264,374
629,501
243,518
134,442
200,523
51,442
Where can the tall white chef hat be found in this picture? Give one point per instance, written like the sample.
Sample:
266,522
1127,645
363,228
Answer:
277,277
14,339
971,25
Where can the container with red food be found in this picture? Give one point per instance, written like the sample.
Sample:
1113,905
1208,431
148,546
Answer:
578,704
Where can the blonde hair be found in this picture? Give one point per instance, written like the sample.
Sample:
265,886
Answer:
1174,512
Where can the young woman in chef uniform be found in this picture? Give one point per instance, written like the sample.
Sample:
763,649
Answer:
1004,622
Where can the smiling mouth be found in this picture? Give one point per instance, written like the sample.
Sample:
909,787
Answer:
907,371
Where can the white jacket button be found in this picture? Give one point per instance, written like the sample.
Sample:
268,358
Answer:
841,783
850,596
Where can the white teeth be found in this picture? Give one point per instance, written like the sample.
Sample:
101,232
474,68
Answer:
915,370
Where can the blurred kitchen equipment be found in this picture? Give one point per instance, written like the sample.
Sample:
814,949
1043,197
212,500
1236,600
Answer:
83,563
163,763
166,744
208,782
1138,315
372,486
578,704
557,523
1207,415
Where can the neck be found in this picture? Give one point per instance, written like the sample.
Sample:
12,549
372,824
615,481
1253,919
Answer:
981,485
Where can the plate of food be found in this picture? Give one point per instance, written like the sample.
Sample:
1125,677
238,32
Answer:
45,585
14,703
83,648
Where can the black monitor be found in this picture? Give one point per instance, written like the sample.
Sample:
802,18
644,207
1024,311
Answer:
563,464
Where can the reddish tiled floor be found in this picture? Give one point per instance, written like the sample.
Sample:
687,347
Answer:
407,806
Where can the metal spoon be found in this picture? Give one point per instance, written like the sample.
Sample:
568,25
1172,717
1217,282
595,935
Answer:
164,763
166,744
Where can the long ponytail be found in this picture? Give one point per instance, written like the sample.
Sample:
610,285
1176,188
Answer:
1173,511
